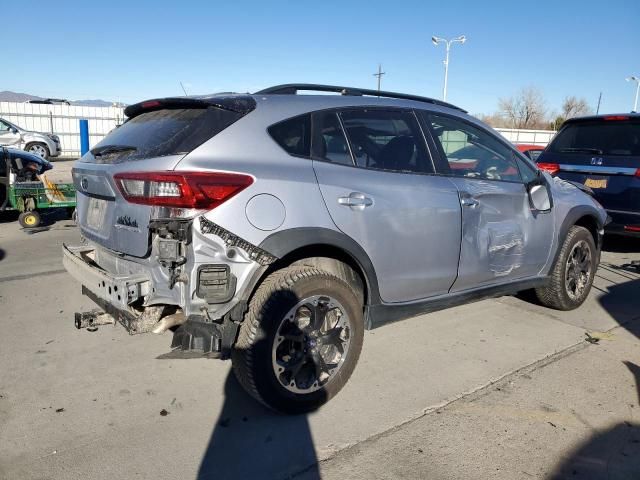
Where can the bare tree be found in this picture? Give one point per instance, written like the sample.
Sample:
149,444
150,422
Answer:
574,107
524,110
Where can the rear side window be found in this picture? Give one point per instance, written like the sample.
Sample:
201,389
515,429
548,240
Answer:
599,137
294,135
329,142
162,132
386,140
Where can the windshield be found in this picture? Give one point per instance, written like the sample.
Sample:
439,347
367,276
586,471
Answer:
161,132
600,137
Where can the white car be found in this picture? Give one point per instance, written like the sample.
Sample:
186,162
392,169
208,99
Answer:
44,145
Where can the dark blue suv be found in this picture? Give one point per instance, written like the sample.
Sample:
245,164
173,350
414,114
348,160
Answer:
603,153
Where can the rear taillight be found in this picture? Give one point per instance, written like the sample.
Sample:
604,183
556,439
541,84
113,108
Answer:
552,168
632,228
637,174
200,190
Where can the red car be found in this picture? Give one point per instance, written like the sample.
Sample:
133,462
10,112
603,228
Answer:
531,151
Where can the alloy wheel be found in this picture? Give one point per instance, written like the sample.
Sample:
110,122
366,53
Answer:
311,344
578,270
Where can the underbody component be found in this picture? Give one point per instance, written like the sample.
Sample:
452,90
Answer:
91,320
255,253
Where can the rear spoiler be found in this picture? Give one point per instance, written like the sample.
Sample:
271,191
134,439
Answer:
242,104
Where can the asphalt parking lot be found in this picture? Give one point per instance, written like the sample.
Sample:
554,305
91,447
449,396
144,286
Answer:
432,394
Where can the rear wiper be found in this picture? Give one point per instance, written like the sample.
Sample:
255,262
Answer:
106,149
583,150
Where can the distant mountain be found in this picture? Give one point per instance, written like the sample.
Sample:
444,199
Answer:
8,96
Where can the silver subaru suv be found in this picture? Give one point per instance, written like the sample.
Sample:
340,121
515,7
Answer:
274,228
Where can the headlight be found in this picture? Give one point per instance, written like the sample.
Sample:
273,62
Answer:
55,138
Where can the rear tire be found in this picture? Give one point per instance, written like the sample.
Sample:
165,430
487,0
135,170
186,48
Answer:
573,272
300,340
39,149
29,219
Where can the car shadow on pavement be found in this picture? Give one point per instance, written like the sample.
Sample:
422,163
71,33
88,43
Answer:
615,452
251,441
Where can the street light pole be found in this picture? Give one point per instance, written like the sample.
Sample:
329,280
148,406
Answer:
633,78
436,41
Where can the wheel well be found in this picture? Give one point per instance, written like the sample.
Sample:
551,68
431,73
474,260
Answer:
591,224
329,258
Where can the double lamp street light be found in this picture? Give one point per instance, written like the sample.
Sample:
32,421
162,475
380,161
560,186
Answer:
437,41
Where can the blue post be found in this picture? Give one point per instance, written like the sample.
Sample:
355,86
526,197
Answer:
84,136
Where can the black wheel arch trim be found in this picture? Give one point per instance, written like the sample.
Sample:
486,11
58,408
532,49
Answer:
284,242
573,215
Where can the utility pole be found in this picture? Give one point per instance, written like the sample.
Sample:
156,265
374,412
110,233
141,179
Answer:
379,75
183,89
599,100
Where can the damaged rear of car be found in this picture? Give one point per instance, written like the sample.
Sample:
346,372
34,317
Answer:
145,264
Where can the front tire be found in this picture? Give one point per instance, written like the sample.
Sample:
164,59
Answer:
300,340
573,272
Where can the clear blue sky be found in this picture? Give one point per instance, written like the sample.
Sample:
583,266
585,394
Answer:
131,50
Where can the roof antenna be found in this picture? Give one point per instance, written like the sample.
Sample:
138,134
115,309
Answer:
183,89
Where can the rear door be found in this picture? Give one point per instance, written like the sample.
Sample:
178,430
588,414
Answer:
380,190
502,238
154,140
602,153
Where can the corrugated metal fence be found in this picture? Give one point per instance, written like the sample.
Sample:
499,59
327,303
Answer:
62,120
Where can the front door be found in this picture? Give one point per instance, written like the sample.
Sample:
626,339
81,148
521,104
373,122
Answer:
503,238
8,136
379,190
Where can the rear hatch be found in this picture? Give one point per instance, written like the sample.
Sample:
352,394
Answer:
157,135
602,153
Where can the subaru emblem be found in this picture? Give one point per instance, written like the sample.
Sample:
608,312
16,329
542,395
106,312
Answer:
596,161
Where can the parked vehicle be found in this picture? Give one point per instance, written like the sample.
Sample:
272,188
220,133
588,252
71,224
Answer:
44,145
274,228
532,152
603,153
24,187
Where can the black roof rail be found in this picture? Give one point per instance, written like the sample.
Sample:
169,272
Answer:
294,88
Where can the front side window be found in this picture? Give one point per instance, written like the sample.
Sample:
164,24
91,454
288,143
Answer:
294,135
386,140
472,152
4,127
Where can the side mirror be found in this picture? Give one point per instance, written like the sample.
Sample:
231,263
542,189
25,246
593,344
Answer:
13,130
539,197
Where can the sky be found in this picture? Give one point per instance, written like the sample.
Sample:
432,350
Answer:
132,50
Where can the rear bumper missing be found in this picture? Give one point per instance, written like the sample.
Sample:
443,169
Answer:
113,293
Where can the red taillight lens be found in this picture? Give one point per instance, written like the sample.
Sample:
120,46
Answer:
201,190
637,174
552,168
632,228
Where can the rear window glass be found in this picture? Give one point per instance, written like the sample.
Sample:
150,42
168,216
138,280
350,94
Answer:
613,137
162,132
294,135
